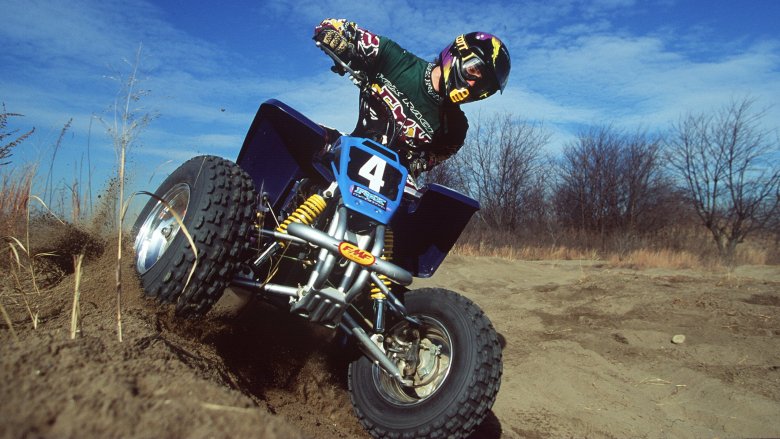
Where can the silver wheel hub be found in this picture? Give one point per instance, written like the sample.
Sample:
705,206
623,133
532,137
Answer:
423,355
161,227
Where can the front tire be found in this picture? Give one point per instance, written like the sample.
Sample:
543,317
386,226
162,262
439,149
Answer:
215,199
456,369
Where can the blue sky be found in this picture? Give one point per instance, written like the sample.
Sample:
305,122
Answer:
631,64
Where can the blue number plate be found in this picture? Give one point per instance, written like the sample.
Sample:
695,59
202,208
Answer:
370,177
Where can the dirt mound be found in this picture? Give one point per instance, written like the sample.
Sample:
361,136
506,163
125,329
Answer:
61,240
256,373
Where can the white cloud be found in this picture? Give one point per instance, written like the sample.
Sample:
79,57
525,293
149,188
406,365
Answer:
637,79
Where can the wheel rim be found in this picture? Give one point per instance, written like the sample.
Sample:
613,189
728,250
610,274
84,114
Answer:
435,355
161,227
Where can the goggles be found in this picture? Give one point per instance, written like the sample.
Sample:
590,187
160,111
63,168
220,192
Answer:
474,69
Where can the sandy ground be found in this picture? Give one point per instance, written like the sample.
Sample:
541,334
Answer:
587,353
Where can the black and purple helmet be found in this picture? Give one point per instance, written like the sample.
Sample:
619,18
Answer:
474,66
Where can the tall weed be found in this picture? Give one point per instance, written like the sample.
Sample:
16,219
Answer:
129,121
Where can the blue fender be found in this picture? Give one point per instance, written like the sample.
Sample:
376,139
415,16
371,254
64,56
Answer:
279,149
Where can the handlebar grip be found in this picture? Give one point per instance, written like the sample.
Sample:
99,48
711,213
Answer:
336,69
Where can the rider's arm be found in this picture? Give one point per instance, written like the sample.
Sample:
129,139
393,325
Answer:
450,136
362,45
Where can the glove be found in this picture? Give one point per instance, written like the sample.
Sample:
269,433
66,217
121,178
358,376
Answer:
333,40
418,163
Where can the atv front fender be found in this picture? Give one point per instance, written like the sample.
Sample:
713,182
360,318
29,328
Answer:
279,149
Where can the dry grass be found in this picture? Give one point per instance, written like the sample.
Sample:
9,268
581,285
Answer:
639,259
75,316
751,255
23,262
18,271
14,196
681,247
15,190
8,322
27,271
636,259
664,258
524,253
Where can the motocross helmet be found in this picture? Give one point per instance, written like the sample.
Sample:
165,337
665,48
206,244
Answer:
479,57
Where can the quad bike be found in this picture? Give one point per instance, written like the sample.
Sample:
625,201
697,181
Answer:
331,231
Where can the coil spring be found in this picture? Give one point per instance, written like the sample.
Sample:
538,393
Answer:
306,213
387,255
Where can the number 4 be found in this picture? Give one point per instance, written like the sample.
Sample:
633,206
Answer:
374,171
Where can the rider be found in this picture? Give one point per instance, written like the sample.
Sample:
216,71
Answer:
424,98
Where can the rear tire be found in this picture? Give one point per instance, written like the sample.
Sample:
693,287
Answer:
458,373
215,199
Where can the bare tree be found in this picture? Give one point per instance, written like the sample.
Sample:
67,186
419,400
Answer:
6,149
649,200
586,197
728,165
612,182
498,166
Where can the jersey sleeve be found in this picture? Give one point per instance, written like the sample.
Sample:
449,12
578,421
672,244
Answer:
450,136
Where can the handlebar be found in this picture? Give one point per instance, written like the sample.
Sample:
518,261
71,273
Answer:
358,78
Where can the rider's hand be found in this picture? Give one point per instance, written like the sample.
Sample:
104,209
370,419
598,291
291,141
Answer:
333,40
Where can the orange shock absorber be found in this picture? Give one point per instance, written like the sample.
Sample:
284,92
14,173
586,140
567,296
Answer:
387,255
306,213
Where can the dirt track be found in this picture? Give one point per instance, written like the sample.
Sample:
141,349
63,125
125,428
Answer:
587,353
